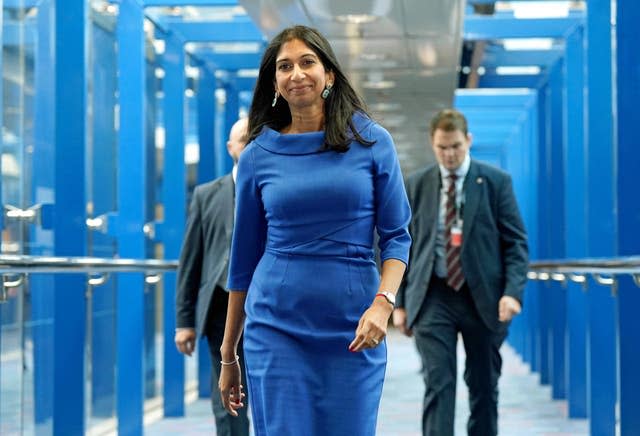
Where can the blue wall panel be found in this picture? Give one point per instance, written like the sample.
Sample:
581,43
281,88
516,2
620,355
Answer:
41,286
543,290
69,223
206,125
174,199
102,161
557,225
628,217
601,224
131,217
576,218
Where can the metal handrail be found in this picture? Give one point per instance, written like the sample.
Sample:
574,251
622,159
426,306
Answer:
53,264
604,271
613,265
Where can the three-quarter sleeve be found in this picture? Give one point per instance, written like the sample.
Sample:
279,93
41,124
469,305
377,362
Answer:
393,213
250,226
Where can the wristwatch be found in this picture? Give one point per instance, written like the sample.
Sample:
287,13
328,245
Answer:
389,296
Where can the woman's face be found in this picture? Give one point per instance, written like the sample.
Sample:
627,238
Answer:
300,75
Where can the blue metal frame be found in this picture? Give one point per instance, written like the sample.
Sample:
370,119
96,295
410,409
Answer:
503,26
576,236
628,208
18,34
231,61
206,124
70,232
43,185
20,4
532,81
242,29
131,217
174,200
544,291
232,106
103,173
495,57
555,174
601,231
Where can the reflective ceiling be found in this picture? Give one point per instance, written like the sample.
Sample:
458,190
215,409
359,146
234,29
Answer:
402,55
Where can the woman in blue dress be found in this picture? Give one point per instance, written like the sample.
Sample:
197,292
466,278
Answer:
316,179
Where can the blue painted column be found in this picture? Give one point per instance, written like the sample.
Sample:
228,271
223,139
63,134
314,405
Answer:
575,213
231,116
628,218
174,200
601,218
210,158
131,217
555,175
543,289
42,287
70,235
206,124
102,165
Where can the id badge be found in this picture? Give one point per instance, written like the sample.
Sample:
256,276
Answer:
456,235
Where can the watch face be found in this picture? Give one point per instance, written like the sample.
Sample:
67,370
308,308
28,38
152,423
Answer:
390,296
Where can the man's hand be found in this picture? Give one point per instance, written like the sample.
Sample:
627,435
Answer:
185,340
400,321
508,307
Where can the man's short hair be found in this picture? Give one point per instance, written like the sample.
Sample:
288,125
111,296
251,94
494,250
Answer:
448,120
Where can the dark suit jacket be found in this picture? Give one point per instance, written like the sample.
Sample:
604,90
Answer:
205,251
494,252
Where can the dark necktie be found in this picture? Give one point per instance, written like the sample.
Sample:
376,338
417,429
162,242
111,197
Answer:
455,279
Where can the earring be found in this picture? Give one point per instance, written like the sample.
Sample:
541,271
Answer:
275,99
327,91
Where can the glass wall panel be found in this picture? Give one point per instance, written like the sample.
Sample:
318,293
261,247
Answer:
102,158
23,317
154,336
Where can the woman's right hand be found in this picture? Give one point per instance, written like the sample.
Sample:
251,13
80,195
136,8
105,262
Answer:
230,387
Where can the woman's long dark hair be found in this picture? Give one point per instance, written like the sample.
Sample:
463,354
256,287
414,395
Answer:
339,107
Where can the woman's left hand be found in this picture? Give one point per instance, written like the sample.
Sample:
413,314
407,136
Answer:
372,327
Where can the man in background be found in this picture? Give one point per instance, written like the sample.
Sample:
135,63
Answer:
467,271
201,299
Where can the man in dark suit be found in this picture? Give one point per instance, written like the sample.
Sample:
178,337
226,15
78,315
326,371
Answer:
201,299
467,270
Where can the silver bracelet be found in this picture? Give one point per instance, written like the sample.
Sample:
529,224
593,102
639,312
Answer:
222,362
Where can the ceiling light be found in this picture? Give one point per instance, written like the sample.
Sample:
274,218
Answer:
375,80
159,46
537,9
527,44
382,84
385,107
517,71
191,71
248,72
372,56
356,18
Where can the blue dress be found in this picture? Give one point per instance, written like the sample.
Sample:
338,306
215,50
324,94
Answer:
303,249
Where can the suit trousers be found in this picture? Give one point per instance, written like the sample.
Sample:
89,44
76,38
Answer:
444,314
226,425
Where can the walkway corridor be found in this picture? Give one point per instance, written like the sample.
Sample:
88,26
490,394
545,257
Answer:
525,406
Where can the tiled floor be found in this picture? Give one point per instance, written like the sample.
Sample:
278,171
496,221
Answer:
525,407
